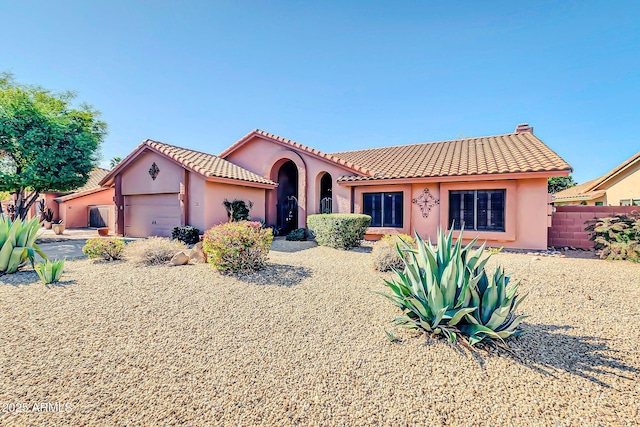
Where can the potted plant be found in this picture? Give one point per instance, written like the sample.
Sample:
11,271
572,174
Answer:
47,217
58,227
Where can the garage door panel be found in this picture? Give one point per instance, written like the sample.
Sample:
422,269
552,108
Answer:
152,215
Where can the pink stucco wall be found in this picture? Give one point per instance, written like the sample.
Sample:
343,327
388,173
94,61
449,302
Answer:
75,212
217,192
264,157
525,215
136,178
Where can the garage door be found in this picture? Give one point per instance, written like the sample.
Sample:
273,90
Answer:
151,215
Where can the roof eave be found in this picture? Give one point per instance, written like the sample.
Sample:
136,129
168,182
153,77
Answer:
77,195
453,178
233,181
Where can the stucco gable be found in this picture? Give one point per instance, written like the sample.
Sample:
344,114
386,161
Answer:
258,134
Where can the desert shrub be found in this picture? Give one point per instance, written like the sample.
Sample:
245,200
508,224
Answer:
238,210
18,243
343,231
297,235
385,254
237,246
448,291
617,237
186,234
48,271
495,251
153,250
109,249
275,230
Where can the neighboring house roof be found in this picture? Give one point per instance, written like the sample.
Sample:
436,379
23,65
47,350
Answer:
292,144
510,153
95,176
91,186
208,165
578,192
596,187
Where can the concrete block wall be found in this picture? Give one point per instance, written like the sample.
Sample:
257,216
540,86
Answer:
568,223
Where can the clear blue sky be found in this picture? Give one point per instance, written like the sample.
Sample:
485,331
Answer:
339,75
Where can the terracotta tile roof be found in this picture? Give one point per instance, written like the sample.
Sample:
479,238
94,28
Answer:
579,192
287,142
95,176
207,165
509,153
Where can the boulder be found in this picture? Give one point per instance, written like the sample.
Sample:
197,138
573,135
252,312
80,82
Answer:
197,255
181,258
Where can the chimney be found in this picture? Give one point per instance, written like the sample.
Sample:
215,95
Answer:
524,127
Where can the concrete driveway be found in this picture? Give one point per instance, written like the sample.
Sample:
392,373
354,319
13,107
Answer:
71,249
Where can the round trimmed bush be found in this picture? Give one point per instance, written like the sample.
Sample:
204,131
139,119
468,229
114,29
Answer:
235,247
342,231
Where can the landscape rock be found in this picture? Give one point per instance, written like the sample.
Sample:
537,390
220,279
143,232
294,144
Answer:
197,255
181,258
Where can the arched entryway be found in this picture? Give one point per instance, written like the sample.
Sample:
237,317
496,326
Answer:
287,206
326,187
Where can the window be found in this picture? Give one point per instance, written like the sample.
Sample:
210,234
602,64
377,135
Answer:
625,202
385,209
636,202
599,203
480,210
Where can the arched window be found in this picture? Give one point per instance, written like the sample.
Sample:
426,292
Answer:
326,184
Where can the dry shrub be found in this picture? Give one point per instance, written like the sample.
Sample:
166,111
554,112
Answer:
237,247
153,250
385,254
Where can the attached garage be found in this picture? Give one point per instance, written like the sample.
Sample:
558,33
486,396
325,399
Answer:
160,186
151,214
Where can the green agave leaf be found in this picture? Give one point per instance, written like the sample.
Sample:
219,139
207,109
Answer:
16,259
478,331
460,314
438,317
58,269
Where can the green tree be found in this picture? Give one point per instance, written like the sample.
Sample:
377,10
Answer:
45,143
559,183
114,162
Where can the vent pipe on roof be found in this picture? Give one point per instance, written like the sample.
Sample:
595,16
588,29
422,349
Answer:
524,127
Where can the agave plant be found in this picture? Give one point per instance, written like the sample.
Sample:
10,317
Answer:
49,272
433,291
17,243
447,291
496,303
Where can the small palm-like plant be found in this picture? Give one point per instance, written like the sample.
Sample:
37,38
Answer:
17,243
48,271
447,291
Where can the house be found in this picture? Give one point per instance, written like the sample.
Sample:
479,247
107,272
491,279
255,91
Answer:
495,185
88,206
619,187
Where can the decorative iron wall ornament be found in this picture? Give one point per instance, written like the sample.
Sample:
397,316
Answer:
154,170
426,201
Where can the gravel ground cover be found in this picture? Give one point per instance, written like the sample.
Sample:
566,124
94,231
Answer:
303,343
